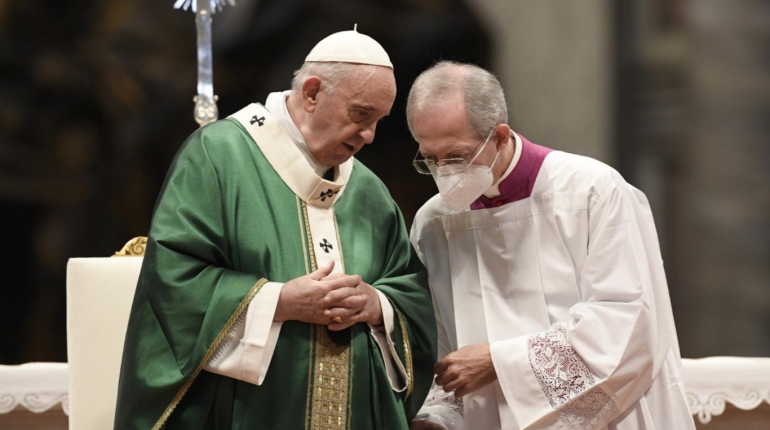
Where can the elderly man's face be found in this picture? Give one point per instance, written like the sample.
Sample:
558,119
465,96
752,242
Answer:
343,122
442,132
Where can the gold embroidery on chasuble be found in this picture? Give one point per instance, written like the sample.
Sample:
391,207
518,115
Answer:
330,364
330,381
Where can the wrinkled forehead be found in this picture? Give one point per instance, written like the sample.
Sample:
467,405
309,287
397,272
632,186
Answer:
442,128
369,85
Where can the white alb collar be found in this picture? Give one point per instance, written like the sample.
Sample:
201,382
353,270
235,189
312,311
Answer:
286,158
276,105
494,190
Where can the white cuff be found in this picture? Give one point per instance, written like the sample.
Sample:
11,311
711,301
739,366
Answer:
246,352
443,408
383,336
443,416
526,399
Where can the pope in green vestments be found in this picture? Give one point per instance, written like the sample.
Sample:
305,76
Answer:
242,212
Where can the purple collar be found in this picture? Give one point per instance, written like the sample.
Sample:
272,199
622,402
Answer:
518,185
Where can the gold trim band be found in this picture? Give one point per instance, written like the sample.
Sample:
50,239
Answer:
339,240
302,234
407,354
329,400
330,403
217,341
309,235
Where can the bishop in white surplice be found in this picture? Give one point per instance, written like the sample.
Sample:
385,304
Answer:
554,272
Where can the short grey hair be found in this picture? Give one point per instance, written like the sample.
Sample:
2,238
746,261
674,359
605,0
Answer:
481,91
331,74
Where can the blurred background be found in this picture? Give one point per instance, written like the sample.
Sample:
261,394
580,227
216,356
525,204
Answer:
96,98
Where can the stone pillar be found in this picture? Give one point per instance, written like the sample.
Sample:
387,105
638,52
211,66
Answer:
554,60
721,234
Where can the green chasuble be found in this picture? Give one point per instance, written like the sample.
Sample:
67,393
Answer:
239,209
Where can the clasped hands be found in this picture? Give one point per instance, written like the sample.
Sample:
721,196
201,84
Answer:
337,300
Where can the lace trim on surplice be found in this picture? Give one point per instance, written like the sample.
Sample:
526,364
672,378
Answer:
567,382
438,397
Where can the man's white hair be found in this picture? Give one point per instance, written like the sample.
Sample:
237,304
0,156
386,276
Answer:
481,91
331,74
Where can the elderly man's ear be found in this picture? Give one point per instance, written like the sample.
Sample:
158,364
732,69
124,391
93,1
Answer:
310,90
502,135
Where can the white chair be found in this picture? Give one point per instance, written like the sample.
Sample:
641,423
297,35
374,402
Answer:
100,292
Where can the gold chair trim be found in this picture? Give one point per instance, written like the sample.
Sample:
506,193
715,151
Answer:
133,248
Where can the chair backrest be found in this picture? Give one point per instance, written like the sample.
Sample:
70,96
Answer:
100,292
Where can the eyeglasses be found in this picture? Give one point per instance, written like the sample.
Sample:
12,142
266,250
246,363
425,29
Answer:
448,166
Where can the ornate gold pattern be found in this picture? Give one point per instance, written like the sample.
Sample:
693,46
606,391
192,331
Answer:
339,241
310,238
133,248
330,383
349,400
302,212
407,353
330,379
217,341
310,362
302,234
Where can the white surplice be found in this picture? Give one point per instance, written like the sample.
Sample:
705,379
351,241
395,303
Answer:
568,288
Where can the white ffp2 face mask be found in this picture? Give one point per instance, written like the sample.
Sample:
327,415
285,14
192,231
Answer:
461,187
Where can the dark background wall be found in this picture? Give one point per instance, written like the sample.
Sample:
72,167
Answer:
96,97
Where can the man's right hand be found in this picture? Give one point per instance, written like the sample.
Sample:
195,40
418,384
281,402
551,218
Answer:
302,299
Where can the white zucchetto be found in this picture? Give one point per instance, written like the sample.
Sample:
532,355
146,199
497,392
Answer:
350,47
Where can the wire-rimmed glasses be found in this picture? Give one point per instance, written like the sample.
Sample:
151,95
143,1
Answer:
447,166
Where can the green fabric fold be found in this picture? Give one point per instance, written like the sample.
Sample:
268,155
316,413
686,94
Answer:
225,223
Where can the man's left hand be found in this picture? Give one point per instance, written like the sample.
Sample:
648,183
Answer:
353,305
467,370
